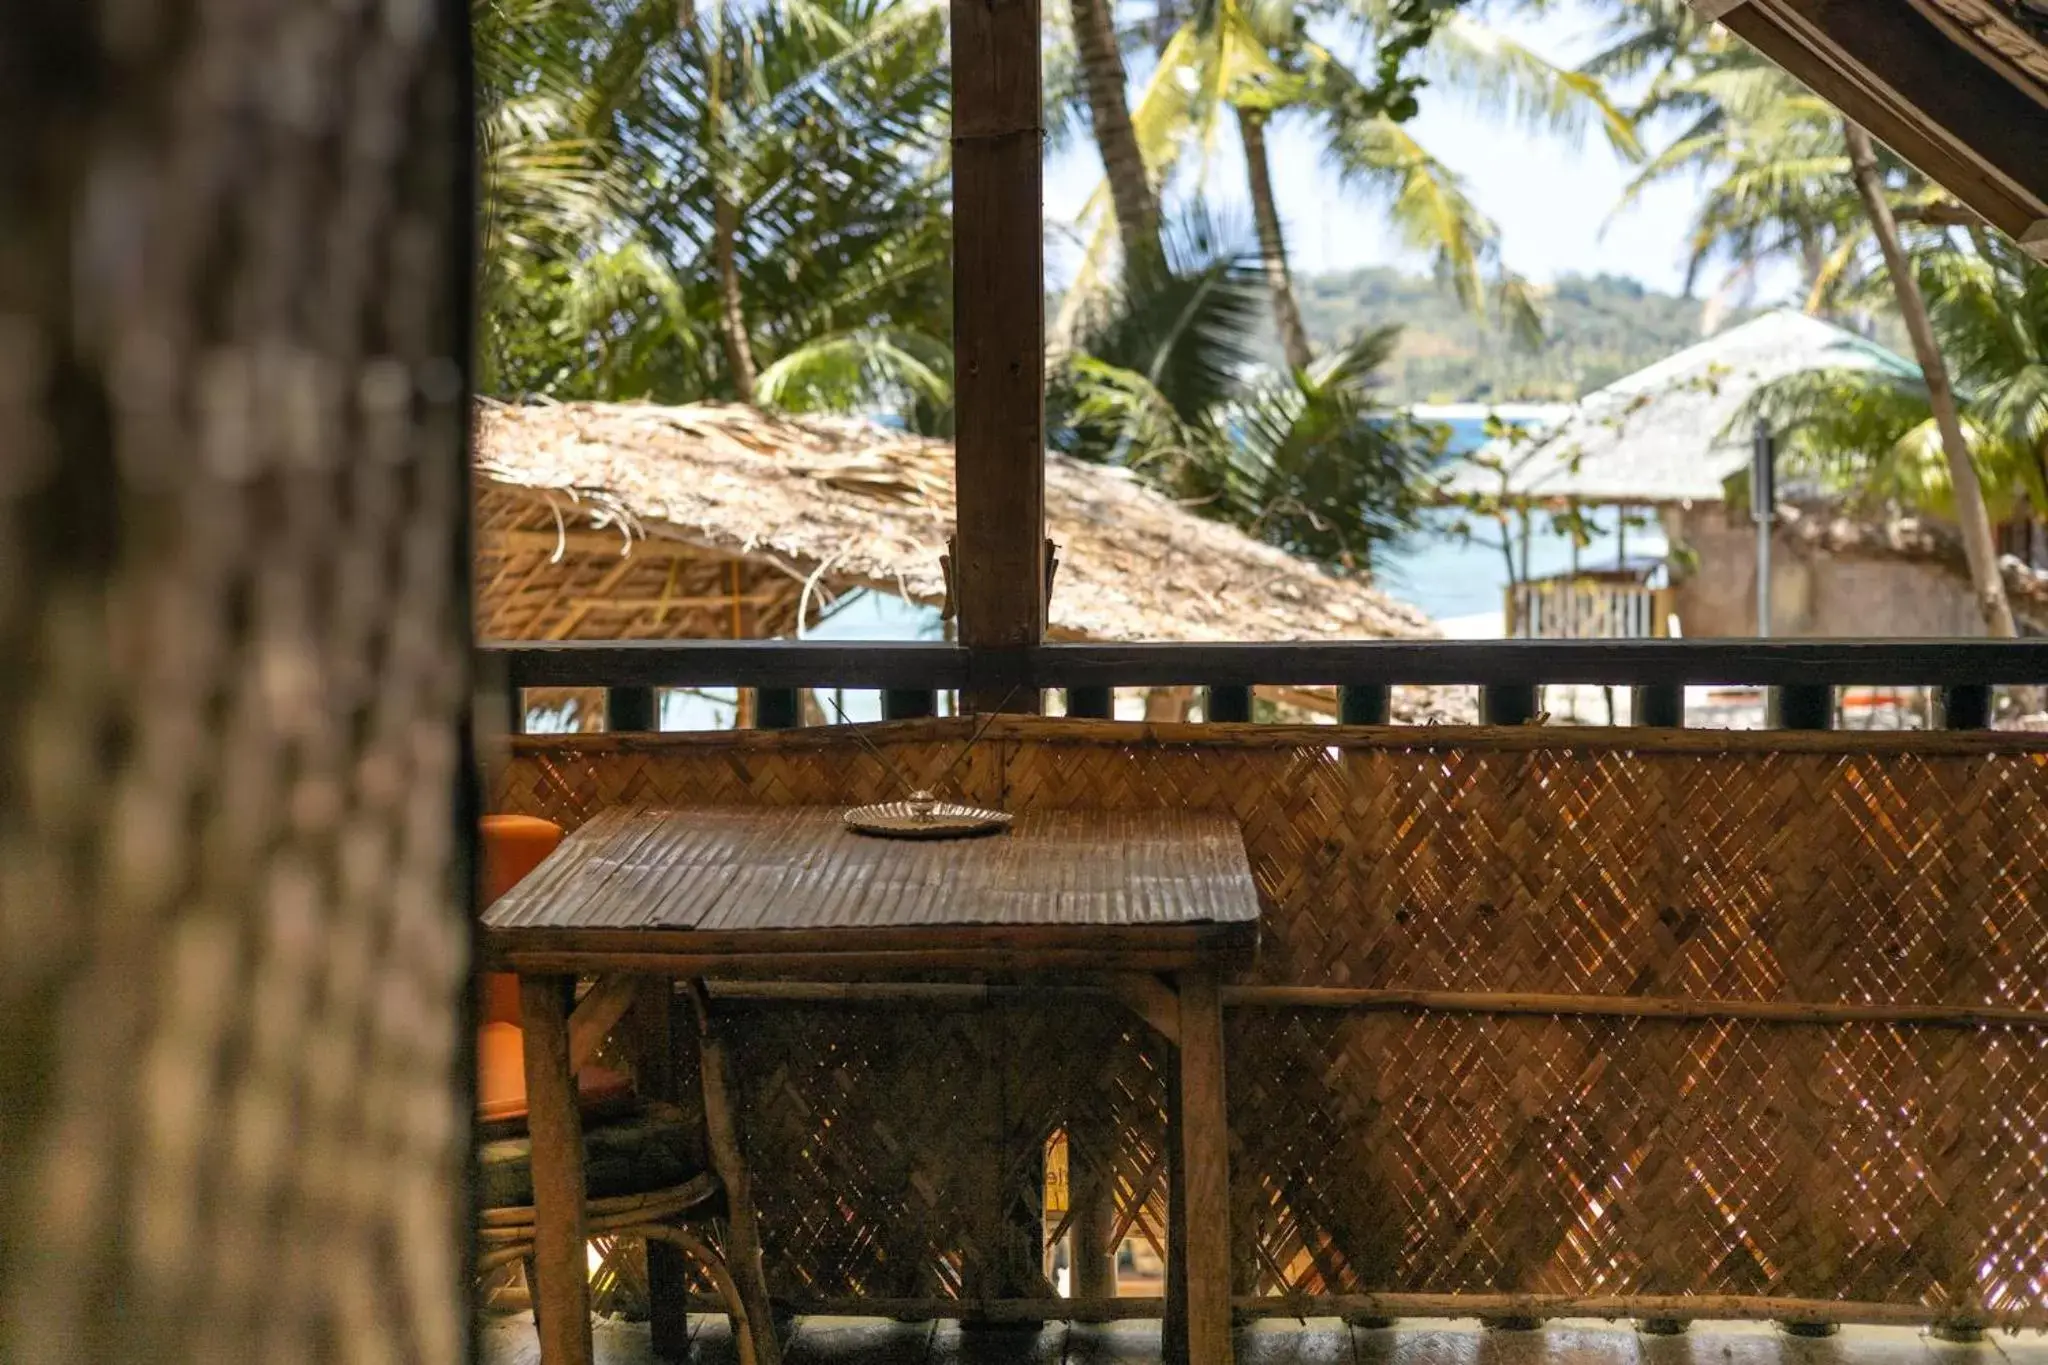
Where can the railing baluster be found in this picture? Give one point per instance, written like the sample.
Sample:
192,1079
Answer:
777,708
1369,705
630,709
1661,706
1229,703
1507,704
909,703
1802,706
1966,708
1091,703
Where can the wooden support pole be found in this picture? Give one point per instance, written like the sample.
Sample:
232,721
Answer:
1173,1311
999,565
1091,1192
1661,707
1802,707
1203,1215
1507,704
777,708
1228,704
1091,703
728,1159
1966,708
561,1300
631,709
909,703
1369,705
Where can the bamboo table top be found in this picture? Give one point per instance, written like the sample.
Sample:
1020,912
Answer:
752,890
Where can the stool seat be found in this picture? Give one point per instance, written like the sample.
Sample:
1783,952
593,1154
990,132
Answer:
650,1147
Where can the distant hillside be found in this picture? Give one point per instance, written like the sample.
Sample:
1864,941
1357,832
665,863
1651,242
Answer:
1600,328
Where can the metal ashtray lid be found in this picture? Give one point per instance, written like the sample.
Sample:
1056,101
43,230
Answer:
923,816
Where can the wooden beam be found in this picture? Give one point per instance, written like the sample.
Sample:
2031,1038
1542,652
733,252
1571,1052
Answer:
597,1013
998,336
1150,999
1622,663
1922,88
561,1304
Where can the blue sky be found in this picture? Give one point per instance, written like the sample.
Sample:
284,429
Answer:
1553,200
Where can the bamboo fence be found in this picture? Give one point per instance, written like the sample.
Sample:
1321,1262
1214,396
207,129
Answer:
1624,1023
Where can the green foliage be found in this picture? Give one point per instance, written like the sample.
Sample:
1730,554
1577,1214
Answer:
1161,383
1869,436
1598,328
613,126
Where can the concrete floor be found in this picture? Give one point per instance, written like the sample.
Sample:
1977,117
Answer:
855,1341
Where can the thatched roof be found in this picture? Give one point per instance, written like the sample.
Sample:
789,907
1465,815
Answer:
623,521
1661,435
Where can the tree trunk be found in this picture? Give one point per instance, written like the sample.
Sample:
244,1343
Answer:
1979,548
1102,76
1251,126
732,316
234,613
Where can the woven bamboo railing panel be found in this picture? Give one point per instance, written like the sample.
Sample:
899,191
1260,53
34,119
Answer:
1475,1154
1437,1151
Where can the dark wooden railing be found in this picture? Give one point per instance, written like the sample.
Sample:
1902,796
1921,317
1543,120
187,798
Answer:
1803,675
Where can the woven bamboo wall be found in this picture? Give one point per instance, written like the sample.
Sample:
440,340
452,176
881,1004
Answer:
1459,1151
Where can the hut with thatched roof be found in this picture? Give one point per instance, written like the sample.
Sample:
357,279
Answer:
629,521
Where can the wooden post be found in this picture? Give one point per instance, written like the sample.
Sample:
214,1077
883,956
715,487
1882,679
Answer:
1366,705
1228,704
1801,707
1091,703
1204,1211
1173,1326
998,341
1504,704
561,1301
909,703
1966,708
1091,1193
631,709
1658,706
648,1034
728,1159
777,708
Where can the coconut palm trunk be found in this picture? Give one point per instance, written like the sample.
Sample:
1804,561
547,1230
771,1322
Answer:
1251,127
1102,76
732,315
1979,547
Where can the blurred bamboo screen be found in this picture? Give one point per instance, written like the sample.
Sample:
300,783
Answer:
1825,1077
234,655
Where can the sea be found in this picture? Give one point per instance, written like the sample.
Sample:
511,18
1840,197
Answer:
1460,580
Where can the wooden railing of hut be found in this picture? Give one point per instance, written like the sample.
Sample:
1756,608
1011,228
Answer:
1545,1022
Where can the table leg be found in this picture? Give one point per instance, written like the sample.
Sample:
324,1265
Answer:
650,1043
561,1301
1203,1212
743,1240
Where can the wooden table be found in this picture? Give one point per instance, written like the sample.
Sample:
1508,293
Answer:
1151,904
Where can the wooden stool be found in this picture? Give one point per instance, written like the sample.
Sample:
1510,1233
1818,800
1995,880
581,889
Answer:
650,1150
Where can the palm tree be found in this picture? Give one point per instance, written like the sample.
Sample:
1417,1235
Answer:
1258,60
1979,548
1875,435
774,180
1100,62
1308,461
1791,178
